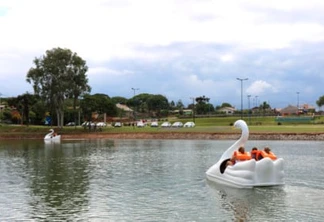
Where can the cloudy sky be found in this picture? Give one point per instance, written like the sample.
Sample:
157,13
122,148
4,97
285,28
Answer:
177,48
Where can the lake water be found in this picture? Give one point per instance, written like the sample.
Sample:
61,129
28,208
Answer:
151,180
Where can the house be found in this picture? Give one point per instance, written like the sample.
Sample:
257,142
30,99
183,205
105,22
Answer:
123,107
307,109
289,110
227,110
127,111
184,112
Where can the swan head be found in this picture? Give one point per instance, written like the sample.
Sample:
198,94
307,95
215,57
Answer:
241,124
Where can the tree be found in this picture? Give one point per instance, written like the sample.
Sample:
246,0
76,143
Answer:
265,106
99,103
180,104
224,105
320,101
172,105
202,107
156,103
58,75
119,99
23,103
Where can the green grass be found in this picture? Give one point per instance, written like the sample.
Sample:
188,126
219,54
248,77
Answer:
203,125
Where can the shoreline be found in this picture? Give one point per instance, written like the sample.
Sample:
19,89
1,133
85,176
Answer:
175,135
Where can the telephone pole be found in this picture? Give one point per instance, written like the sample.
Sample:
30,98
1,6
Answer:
242,94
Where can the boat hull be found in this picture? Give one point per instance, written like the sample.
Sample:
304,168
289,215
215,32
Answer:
52,138
249,174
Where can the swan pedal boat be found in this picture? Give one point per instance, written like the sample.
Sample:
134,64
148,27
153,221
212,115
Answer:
249,173
51,137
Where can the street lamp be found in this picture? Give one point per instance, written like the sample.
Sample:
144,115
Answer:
134,89
249,96
0,107
297,102
193,109
242,94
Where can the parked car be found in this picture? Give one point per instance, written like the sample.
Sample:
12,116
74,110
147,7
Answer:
101,124
166,124
86,123
140,124
177,124
154,124
189,124
117,124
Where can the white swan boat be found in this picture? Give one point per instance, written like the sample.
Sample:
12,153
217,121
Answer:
246,174
51,137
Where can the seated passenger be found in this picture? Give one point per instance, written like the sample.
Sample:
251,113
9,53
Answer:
267,153
240,155
255,153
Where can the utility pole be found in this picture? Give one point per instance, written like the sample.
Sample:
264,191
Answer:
297,103
134,89
193,109
249,96
242,94
0,107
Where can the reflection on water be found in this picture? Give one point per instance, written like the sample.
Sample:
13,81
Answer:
260,203
150,180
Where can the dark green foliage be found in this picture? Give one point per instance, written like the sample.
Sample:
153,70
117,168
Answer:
320,101
57,75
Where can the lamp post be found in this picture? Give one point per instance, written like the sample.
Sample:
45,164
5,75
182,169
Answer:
134,89
0,107
249,96
297,102
193,109
242,94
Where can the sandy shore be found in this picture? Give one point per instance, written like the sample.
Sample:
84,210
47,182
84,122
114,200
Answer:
177,135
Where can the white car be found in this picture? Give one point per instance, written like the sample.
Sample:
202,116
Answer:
189,124
166,124
101,124
118,124
140,124
87,123
154,124
177,124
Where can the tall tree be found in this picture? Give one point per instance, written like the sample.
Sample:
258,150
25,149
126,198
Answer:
320,101
99,103
57,75
119,99
23,103
202,107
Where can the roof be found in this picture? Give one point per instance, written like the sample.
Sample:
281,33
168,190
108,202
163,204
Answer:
124,107
289,109
227,109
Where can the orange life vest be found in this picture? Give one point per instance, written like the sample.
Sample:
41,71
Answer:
270,155
242,156
255,154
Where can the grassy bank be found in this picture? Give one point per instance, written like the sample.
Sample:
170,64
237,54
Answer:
203,125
